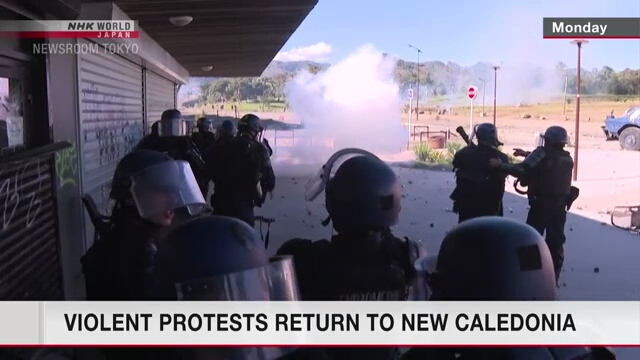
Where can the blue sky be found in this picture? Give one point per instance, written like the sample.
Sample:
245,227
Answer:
463,31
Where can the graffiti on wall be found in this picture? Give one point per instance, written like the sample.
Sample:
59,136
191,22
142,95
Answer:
109,131
66,162
21,189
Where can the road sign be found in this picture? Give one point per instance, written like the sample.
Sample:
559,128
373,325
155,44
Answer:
410,94
472,92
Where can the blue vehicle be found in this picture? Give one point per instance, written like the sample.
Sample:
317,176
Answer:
625,129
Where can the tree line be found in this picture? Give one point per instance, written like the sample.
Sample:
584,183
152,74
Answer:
438,78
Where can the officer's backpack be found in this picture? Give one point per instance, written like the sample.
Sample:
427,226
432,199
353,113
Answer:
240,163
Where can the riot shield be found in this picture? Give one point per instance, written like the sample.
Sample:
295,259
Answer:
626,217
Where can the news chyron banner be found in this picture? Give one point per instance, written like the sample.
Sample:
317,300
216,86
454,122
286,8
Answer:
89,29
256,324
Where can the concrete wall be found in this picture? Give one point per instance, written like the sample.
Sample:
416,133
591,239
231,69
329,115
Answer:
63,114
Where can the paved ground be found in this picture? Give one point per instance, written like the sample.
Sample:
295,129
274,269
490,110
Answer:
601,261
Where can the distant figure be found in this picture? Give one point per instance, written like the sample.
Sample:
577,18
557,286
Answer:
241,172
171,140
204,137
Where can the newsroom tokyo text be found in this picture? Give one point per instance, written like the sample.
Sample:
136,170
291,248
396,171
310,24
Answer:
85,49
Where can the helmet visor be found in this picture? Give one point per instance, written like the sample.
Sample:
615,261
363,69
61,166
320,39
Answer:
165,187
207,125
172,127
316,184
273,282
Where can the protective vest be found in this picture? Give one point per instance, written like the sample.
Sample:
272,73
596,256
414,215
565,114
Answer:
346,270
120,265
552,176
475,181
238,164
203,140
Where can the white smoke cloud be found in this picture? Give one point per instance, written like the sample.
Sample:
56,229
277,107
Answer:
316,52
355,103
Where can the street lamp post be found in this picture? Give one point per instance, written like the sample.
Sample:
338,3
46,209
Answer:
418,84
495,91
484,87
577,124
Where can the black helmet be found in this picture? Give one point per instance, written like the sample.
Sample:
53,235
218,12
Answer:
487,135
364,194
250,123
226,129
556,135
170,123
130,164
203,124
495,259
220,258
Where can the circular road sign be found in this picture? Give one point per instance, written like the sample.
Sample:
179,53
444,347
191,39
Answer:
472,92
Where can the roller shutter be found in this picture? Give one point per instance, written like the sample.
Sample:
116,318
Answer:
111,119
29,255
161,95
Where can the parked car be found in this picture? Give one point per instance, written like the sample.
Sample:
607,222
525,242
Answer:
625,129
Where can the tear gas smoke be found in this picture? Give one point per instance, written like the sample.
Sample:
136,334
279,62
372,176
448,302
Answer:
355,103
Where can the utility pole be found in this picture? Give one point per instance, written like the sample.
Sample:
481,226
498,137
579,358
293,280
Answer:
577,129
495,91
564,100
484,87
418,84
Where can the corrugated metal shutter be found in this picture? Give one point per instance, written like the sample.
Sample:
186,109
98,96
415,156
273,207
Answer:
30,267
111,119
161,95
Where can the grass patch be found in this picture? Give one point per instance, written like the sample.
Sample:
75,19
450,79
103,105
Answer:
427,155
424,153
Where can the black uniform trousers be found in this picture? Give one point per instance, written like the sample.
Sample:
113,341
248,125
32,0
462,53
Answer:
550,215
471,210
238,206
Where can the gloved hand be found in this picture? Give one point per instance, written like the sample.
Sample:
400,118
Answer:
520,152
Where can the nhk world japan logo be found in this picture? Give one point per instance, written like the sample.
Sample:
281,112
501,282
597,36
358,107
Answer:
88,29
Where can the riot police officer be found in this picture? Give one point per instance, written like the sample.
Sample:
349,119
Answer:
495,259
479,188
364,260
547,173
204,137
171,140
225,131
198,260
241,172
147,188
